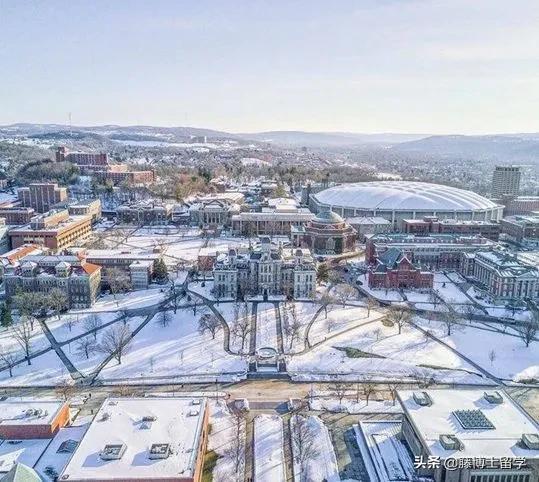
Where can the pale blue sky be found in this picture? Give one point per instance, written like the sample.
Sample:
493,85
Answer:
445,66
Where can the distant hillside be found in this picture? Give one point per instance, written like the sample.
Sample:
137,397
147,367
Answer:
301,138
507,148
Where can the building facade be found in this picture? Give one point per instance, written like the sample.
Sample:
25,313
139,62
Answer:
91,207
506,181
522,230
144,213
393,270
432,252
431,224
42,196
78,279
504,277
55,230
326,234
265,270
17,216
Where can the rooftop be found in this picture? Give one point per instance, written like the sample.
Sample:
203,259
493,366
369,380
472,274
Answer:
140,438
486,429
403,195
15,411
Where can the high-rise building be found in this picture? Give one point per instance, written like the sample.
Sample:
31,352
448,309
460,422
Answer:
506,181
41,196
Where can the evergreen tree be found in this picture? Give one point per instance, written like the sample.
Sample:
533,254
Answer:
160,271
322,273
5,315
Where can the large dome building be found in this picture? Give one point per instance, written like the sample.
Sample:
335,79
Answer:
398,200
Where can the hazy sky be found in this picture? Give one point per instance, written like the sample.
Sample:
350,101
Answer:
446,66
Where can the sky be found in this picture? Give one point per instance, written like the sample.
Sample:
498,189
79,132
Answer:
411,66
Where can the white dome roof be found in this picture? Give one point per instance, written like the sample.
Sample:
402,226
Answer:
403,196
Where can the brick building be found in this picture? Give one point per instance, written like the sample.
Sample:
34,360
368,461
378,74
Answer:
522,230
81,158
91,207
432,251
23,419
433,225
16,216
55,230
393,270
42,196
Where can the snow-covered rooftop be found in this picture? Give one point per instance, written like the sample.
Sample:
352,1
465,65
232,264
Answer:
504,440
403,195
15,411
154,438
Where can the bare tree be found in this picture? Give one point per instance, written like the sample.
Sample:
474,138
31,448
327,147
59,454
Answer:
58,301
237,449
392,389
371,304
115,342
84,346
241,328
22,332
65,389
304,444
9,359
71,321
449,319
164,318
325,300
344,292
293,325
399,315
92,324
339,389
433,298
492,356
176,294
528,331
209,322
368,388
118,281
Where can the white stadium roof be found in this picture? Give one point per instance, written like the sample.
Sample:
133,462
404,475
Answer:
403,195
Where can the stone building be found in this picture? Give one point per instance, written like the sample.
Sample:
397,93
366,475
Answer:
326,234
78,279
265,270
503,277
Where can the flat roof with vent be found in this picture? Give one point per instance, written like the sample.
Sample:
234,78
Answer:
484,428
29,411
139,438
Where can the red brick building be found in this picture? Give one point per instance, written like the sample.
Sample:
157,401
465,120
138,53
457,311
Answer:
32,419
431,224
394,270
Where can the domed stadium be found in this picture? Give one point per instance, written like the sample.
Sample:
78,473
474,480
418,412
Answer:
398,200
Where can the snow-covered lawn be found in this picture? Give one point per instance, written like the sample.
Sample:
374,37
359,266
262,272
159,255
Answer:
222,440
46,369
266,326
349,405
448,290
176,350
498,310
228,310
511,359
128,301
304,313
379,352
323,467
88,365
268,449
339,319
71,324
9,343
379,294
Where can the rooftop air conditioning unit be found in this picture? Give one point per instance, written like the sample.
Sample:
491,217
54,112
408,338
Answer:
423,399
450,442
159,451
113,451
531,441
495,397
